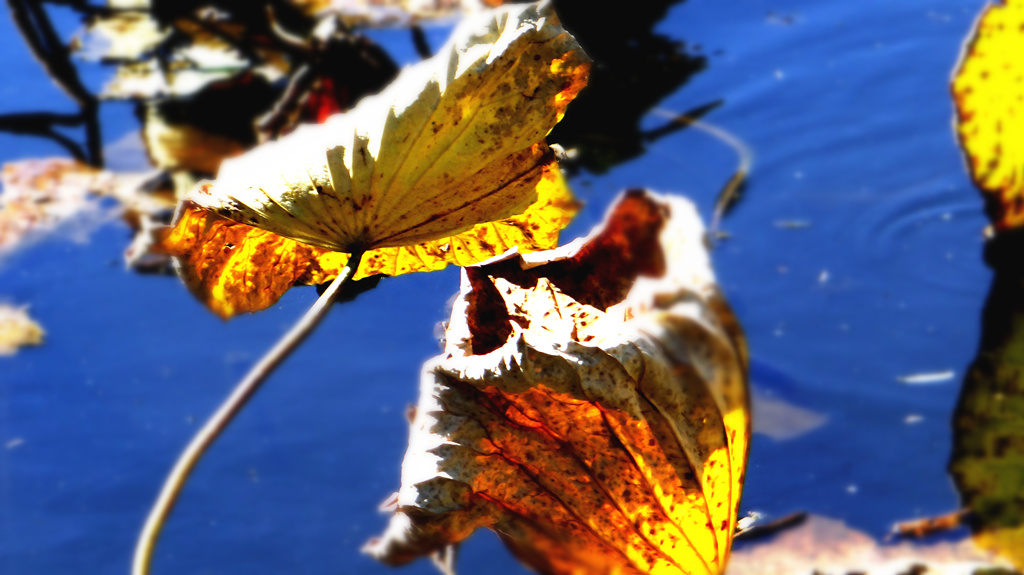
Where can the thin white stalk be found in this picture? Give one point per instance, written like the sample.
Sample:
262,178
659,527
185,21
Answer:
202,441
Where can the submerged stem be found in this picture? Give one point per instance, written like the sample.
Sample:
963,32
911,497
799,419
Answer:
187,461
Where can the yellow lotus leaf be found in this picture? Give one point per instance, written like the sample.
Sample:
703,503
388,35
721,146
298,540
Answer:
591,407
447,165
989,93
455,141
220,259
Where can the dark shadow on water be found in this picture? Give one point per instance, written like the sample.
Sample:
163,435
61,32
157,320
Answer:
634,69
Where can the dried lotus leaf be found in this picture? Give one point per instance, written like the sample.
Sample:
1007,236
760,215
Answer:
448,165
591,407
234,268
455,141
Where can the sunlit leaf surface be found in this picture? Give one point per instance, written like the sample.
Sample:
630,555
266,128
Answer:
234,268
989,93
413,176
591,407
455,141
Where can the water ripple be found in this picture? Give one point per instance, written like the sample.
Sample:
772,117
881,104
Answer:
929,233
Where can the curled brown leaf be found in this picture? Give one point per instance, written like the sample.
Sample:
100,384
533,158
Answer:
591,407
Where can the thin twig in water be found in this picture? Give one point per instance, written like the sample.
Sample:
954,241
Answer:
244,391
42,124
293,43
42,40
920,528
34,25
680,121
419,40
730,194
772,527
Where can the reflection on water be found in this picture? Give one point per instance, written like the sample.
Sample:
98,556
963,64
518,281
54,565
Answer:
776,403
781,420
987,462
634,69
896,229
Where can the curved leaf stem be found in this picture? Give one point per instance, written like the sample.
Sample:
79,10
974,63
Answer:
202,441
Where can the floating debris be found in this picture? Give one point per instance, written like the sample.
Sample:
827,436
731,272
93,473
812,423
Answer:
830,547
40,196
792,224
755,527
927,378
17,329
750,520
780,19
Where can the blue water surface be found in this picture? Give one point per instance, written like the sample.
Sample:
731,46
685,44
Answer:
846,107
